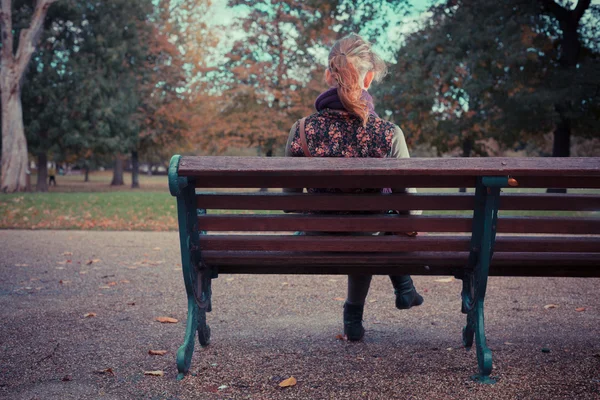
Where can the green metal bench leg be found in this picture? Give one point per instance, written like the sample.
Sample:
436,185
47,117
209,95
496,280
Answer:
197,277
475,279
185,352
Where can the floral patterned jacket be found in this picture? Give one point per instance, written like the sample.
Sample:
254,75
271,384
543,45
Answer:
333,133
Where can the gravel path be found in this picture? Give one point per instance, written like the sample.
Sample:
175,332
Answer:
268,328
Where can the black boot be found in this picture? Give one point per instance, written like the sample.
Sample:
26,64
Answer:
406,294
353,328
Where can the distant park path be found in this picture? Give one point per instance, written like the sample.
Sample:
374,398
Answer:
266,329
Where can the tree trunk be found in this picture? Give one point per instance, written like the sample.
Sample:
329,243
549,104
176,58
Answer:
467,146
135,170
14,145
118,171
12,67
42,172
87,173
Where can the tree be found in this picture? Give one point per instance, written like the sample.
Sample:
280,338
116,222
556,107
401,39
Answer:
12,68
490,69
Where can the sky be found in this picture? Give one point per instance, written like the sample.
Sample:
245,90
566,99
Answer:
223,15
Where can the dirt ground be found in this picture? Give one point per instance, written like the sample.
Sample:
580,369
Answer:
268,328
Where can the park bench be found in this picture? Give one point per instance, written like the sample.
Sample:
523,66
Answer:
462,243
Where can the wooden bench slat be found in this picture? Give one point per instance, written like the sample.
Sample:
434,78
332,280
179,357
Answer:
375,202
382,181
394,243
327,167
392,223
438,263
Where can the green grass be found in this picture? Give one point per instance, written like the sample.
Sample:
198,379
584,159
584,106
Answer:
103,210
134,210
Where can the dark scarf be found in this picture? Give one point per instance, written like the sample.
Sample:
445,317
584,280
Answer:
331,99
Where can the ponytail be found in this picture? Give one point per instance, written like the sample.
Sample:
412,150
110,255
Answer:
349,60
349,88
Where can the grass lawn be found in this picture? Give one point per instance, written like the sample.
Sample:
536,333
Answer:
129,210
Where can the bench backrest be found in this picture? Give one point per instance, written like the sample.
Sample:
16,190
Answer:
568,235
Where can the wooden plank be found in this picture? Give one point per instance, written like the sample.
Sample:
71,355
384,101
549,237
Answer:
548,201
335,202
392,223
321,166
395,243
377,202
414,263
383,181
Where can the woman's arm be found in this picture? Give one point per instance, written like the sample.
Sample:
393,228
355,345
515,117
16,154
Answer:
400,150
288,153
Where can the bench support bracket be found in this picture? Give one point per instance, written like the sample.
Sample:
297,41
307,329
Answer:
196,275
485,216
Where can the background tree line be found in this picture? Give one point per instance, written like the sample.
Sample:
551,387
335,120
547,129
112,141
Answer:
143,80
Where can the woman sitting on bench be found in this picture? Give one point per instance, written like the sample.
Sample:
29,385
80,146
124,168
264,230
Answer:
346,125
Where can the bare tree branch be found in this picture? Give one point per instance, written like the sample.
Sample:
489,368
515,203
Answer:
29,37
6,29
582,5
559,11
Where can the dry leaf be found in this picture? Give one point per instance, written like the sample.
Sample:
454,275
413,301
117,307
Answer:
580,309
549,306
83,272
341,337
123,281
339,299
157,352
89,315
156,249
167,320
291,381
107,371
445,280
154,373
227,279
95,260
21,265
67,253
104,287
372,300
111,283
64,282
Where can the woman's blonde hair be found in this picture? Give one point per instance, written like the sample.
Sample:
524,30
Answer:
350,59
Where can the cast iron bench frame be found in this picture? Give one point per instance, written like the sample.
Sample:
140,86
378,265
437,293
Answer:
469,259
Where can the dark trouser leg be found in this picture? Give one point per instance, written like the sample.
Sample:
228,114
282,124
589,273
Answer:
358,288
406,294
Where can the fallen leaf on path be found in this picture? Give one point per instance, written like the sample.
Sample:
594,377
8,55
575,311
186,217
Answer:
64,282
291,381
372,301
63,262
154,373
339,299
123,281
67,253
341,337
112,283
227,279
83,272
107,371
580,309
156,249
95,260
167,320
508,343
60,267
103,287
21,265
549,306
89,315
157,352
445,280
